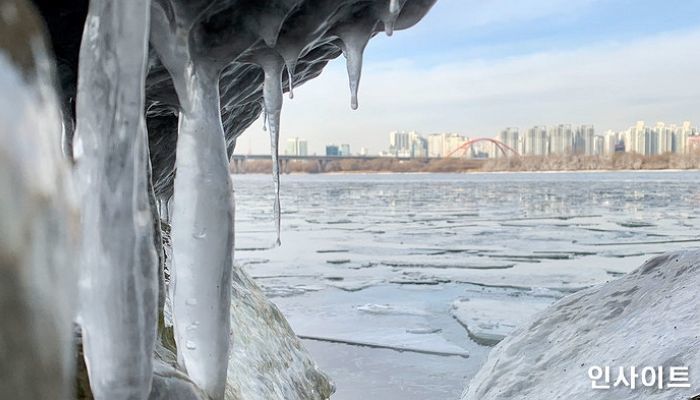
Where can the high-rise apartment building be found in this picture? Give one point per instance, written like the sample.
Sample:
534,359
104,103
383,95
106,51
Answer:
296,147
399,143
442,144
584,140
536,142
511,138
561,139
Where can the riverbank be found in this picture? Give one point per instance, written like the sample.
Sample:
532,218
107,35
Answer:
617,162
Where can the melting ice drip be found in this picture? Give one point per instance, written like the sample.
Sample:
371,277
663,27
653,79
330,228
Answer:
194,40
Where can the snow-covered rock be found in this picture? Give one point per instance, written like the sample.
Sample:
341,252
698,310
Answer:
648,318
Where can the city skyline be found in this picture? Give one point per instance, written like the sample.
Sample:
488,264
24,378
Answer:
473,67
539,140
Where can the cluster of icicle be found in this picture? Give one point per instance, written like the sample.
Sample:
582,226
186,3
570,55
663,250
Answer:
121,284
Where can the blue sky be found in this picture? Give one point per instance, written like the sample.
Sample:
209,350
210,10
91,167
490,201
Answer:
476,66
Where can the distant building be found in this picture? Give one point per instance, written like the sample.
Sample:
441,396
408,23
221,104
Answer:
332,150
296,147
363,151
536,142
399,144
407,144
511,138
442,144
344,150
693,145
584,140
598,145
561,139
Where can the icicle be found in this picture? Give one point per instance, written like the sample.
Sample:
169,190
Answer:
202,230
394,6
264,115
272,64
354,38
389,27
291,66
202,236
119,271
389,16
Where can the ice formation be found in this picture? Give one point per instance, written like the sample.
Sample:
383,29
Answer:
202,215
118,267
646,318
38,220
272,64
142,112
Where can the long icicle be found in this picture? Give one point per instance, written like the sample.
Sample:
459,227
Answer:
202,229
273,65
291,66
119,271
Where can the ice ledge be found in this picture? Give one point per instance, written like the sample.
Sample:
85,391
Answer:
646,318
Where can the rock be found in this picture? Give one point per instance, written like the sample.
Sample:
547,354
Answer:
647,318
268,362
171,384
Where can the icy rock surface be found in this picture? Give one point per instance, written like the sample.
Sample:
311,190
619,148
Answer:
265,344
171,384
38,221
118,264
646,318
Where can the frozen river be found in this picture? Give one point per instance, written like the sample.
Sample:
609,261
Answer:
400,283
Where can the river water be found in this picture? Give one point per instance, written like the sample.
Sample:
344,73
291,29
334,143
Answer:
401,283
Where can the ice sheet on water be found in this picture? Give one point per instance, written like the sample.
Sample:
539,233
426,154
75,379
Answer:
337,316
489,320
389,309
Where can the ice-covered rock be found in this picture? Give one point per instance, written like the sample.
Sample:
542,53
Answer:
267,359
38,219
648,318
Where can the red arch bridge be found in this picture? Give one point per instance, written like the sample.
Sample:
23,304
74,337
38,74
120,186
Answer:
466,146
